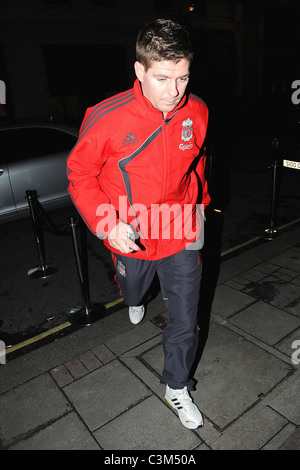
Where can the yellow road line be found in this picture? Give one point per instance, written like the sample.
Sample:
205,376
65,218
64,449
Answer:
288,224
36,338
241,245
115,302
248,242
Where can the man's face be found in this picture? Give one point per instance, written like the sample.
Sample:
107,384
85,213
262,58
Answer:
164,83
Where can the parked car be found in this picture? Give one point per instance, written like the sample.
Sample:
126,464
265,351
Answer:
33,157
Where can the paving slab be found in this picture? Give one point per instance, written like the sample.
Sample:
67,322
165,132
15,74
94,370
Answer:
251,431
293,442
30,406
264,252
280,438
274,290
149,425
105,393
232,374
67,433
291,346
294,307
132,338
285,398
268,323
289,259
228,301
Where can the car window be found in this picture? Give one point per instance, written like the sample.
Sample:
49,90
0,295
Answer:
20,144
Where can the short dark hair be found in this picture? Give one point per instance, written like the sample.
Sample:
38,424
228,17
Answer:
163,39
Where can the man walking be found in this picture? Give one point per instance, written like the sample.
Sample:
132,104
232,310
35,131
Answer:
137,179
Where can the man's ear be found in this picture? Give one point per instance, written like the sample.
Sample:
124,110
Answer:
139,70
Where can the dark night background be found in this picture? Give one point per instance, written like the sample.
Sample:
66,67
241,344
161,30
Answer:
58,57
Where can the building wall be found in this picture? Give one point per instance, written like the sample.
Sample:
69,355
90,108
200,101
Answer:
58,57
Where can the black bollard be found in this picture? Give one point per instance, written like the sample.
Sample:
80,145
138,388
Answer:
44,270
86,313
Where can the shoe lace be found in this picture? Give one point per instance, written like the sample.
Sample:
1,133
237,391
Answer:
185,399
136,309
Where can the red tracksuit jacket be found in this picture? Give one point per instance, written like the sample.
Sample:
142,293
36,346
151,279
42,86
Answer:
131,164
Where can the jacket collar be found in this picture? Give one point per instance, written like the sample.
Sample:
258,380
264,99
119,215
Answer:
143,101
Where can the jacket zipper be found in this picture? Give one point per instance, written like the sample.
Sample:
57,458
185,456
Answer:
165,174
137,151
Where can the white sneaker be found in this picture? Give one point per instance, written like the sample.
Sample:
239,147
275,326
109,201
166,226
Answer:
136,314
188,412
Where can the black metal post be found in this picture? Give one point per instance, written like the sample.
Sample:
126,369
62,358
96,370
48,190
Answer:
86,313
84,257
84,292
272,232
44,270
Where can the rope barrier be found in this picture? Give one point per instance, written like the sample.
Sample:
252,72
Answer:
44,270
87,312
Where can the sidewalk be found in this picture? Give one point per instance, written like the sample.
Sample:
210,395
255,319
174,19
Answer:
99,387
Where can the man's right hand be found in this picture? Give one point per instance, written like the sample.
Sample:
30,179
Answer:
119,239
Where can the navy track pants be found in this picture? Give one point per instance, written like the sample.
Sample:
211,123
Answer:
180,277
